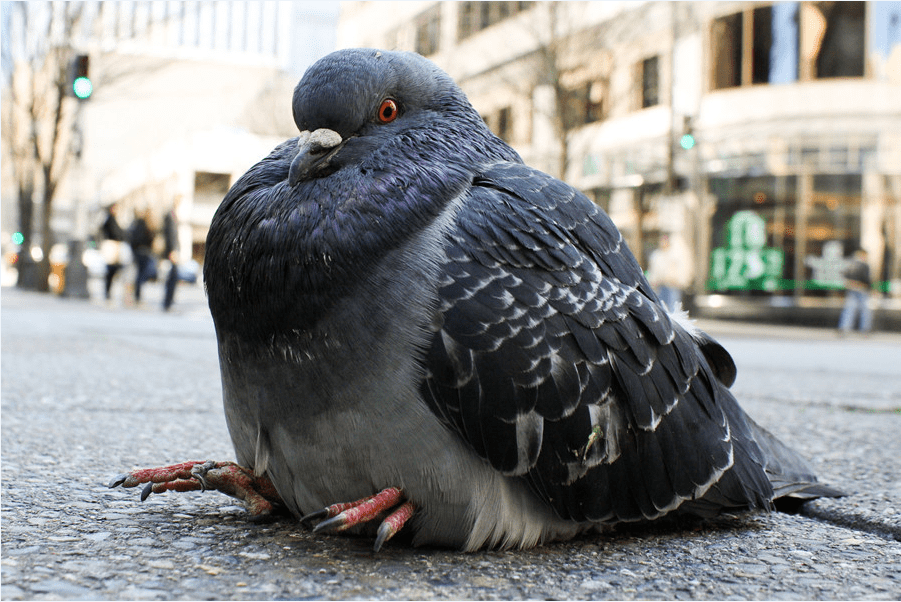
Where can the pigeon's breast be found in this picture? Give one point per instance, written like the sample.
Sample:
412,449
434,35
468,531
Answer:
323,400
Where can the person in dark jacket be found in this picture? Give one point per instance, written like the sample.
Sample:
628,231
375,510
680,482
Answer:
140,236
170,251
857,295
111,235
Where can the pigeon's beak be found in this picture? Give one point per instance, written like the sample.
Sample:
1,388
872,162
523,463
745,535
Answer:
314,152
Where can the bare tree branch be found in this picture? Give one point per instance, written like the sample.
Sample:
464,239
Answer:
41,115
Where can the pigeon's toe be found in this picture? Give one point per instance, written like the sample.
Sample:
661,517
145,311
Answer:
174,477
227,477
339,517
394,523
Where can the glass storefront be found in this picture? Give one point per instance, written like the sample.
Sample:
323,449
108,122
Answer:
787,235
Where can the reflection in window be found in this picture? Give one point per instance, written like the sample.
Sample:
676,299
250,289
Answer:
832,35
832,221
784,40
835,211
757,258
210,187
763,41
841,52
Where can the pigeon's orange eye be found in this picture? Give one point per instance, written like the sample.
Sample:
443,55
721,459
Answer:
388,110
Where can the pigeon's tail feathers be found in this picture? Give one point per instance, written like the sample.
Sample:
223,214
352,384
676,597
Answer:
784,484
720,360
744,486
791,477
790,474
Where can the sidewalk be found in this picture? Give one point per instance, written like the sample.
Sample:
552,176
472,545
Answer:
188,297
731,328
90,390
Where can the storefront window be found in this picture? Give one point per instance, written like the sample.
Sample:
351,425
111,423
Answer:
753,234
759,229
833,229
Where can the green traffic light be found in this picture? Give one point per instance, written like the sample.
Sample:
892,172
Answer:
82,87
18,238
687,141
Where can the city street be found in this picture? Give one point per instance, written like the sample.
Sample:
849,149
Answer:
91,390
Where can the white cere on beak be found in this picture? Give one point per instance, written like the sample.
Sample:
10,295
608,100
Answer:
324,138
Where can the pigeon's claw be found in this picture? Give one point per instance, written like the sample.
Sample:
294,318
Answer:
339,517
256,491
174,485
163,474
333,510
394,523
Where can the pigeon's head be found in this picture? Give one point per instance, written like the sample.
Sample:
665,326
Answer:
352,102
387,141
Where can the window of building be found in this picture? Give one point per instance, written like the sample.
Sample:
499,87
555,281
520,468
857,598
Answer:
505,124
473,17
501,123
727,51
783,42
762,35
601,197
764,241
650,82
583,105
841,49
428,31
210,187
788,41
753,228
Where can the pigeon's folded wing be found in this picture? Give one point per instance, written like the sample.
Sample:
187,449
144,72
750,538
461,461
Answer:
556,363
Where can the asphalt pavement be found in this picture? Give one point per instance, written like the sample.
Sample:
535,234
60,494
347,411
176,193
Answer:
91,389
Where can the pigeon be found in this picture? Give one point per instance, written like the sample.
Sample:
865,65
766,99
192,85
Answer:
419,332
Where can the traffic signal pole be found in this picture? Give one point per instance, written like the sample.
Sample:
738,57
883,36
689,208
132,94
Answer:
76,273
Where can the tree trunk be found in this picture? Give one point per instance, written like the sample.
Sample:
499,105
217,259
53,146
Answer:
47,241
27,268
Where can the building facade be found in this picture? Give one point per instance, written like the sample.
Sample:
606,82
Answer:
187,95
763,137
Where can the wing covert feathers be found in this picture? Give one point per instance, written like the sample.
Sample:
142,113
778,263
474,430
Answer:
557,365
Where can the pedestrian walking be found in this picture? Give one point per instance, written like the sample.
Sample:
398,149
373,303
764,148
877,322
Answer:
669,272
140,237
170,251
857,295
111,246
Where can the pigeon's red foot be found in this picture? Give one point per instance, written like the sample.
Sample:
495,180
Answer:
257,491
338,517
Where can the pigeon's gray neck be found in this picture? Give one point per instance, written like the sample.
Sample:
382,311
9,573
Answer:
400,293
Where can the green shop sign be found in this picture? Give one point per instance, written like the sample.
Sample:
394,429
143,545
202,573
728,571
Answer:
746,263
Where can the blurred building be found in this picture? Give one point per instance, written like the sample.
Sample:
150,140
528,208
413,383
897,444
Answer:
186,97
766,137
